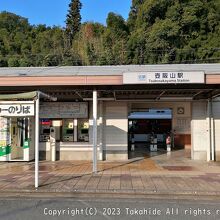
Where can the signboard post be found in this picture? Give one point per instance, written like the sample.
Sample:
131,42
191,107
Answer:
37,141
23,109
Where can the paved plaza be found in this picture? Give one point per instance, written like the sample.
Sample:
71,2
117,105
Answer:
165,173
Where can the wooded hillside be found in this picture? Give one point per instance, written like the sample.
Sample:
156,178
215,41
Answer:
157,31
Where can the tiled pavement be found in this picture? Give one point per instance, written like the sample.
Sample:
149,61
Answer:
174,173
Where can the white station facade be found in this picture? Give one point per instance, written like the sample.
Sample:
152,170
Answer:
103,110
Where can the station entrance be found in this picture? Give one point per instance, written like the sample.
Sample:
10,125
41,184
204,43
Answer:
148,132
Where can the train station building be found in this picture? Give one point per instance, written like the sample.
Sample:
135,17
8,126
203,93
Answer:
114,110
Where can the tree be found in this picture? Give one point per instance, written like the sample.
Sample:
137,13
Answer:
3,62
136,4
73,19
166,31
88,43
13,62
115,39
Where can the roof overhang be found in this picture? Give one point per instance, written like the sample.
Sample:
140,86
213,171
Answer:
26,96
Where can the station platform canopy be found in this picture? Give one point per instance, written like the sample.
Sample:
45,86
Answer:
118,83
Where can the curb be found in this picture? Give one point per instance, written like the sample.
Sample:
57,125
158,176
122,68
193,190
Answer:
40,193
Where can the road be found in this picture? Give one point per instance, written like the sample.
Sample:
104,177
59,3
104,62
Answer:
102,208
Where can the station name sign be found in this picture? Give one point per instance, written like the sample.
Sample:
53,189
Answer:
15,110
181,77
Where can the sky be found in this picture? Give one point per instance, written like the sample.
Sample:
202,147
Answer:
53,12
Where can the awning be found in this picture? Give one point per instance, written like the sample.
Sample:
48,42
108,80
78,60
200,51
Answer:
26,95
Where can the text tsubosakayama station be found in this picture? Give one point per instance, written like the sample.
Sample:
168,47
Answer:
107,111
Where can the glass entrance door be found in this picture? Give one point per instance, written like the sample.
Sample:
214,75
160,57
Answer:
19,134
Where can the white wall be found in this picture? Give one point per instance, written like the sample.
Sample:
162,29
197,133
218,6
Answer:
199,131
115,123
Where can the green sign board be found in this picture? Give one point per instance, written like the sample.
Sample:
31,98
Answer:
5,150
26,144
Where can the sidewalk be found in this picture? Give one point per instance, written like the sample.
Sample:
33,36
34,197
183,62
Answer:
173,174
